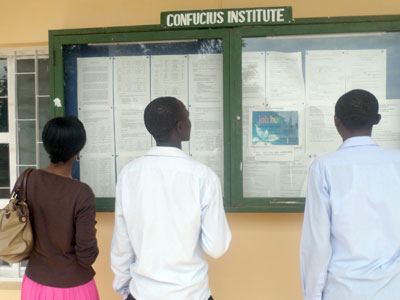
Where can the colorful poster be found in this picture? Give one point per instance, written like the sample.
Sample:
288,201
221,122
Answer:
274,128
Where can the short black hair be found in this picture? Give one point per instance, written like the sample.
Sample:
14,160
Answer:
161,116
63,137
357,109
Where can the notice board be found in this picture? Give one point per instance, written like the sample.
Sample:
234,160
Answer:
261,98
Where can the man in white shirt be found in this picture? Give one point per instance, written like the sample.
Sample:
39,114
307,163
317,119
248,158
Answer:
350,247
169,209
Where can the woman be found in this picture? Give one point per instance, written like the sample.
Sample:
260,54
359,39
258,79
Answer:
63,221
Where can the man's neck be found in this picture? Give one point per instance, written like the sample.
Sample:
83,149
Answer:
170,144
356,133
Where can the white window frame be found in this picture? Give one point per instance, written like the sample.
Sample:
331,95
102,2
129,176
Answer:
15,272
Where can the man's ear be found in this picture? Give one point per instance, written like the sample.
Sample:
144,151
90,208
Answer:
337,122
378,119
179,127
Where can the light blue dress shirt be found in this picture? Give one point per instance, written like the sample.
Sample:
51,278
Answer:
350,246
168,210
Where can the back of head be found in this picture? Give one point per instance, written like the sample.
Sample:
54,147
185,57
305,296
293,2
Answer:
161,116
357,109
63,137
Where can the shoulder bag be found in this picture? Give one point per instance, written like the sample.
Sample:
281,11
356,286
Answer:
16,238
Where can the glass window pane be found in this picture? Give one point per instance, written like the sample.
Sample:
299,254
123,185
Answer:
4,193
26,96
44,114
27,140
25,65
43,75
4,171
44,160
3,77
3,87
3,115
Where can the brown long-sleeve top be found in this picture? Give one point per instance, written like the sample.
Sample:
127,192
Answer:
63,221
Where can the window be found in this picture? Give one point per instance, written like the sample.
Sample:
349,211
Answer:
24,109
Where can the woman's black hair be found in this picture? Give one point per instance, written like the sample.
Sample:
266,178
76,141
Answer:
357,109
161,116
63,137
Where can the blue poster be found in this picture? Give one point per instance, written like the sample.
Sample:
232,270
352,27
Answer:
277,128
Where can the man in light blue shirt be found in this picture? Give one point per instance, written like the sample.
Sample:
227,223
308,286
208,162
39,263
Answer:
168,210
350,246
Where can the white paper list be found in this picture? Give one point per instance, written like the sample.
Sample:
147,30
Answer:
169,76
94,81
387,132
253,79
284,80
131,96
95,104
205,79
98,171
366,69
325,76
206,110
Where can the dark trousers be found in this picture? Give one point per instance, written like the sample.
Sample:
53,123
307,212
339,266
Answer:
130,297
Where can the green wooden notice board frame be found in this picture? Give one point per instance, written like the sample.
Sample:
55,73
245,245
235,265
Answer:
232,83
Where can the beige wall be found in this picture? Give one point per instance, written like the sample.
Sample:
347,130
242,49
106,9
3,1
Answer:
27,21
262,262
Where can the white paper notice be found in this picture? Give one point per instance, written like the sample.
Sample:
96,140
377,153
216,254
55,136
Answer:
206,110
293,176
284,80
207,129
387,132
325,76
205,79
132,94
272,179
274,154
207,140
97,157
98,171
99,130
132,82
95,110
321,133
253,79
367,71
94,81
169,76
132,137
261,179
329,74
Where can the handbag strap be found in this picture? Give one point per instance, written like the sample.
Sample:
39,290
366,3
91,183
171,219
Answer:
20,186
26,174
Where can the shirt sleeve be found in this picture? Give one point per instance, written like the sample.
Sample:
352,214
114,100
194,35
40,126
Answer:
122,254
85,232
215,232
315,248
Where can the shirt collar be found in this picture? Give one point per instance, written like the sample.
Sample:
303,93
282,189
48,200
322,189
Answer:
166,151
358,141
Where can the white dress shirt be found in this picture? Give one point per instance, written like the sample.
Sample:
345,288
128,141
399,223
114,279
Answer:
350,247
169,209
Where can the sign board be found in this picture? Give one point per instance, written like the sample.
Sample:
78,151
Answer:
226,17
